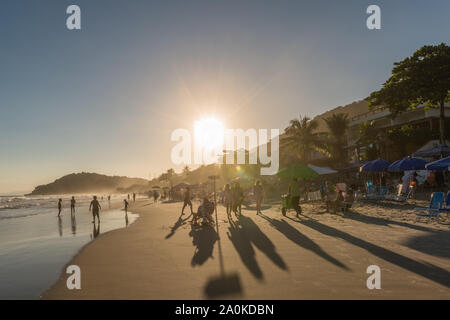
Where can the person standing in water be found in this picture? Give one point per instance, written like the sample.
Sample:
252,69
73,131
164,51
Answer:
95,206
134,197
187,200
72,205
125,203
59,206
258,191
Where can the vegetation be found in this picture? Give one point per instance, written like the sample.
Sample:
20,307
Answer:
91,182
337,140
423,78
301,140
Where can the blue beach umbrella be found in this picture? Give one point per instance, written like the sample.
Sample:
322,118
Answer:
407,164
436,151
439,165
375,166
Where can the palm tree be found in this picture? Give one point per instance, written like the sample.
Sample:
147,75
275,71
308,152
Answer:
370,137
337,124
301,138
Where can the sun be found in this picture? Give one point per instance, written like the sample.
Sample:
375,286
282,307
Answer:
209,133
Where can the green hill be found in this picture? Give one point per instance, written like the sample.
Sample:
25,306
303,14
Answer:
92,182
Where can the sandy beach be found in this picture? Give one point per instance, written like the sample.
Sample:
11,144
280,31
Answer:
319,256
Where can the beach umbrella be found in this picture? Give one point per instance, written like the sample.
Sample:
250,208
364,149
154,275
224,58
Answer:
322,170
407,164
297,170
436,151
156,187
439,165
353,167
375,166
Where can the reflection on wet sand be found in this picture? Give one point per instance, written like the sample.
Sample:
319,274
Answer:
60,226
73,224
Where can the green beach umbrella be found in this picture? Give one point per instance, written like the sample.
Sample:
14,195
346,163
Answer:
156,187
297,170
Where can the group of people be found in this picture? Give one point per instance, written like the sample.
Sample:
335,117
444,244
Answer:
336,197
72,206
232,198
94,207
204,211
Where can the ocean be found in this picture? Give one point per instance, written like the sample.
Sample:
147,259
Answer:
35,244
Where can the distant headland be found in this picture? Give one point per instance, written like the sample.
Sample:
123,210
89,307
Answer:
85,182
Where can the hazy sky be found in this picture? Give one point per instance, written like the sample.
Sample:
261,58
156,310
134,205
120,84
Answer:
106,99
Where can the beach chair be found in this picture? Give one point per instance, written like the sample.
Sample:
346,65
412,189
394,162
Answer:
434,208
400,197
382,194
371,193
446,208
314,196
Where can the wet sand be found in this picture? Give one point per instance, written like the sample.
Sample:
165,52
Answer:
317,256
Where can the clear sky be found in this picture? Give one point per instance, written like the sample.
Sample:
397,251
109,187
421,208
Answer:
106,99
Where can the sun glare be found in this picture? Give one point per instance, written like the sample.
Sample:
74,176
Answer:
209,133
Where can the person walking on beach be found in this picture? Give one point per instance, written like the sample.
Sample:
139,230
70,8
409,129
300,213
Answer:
187,200
238,197
59,206
155,196
294,191
258,191
330,192
134,197
72,205
125,203
95,206
228,199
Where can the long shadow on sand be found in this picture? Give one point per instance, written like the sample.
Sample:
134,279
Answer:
435,244
425,269
245,249
383,222
203,238
301,240
177,224
243,234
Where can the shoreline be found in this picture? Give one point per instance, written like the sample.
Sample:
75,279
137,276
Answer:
320,256
117,205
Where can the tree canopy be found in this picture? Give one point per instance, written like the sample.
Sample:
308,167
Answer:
423,78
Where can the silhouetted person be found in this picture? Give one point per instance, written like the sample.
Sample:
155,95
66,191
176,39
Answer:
294,191
439,179
155,196
125,204
187,200
72,205
128,196
228,199
238,197
59,207
126,219
134,197
258,191
95,206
